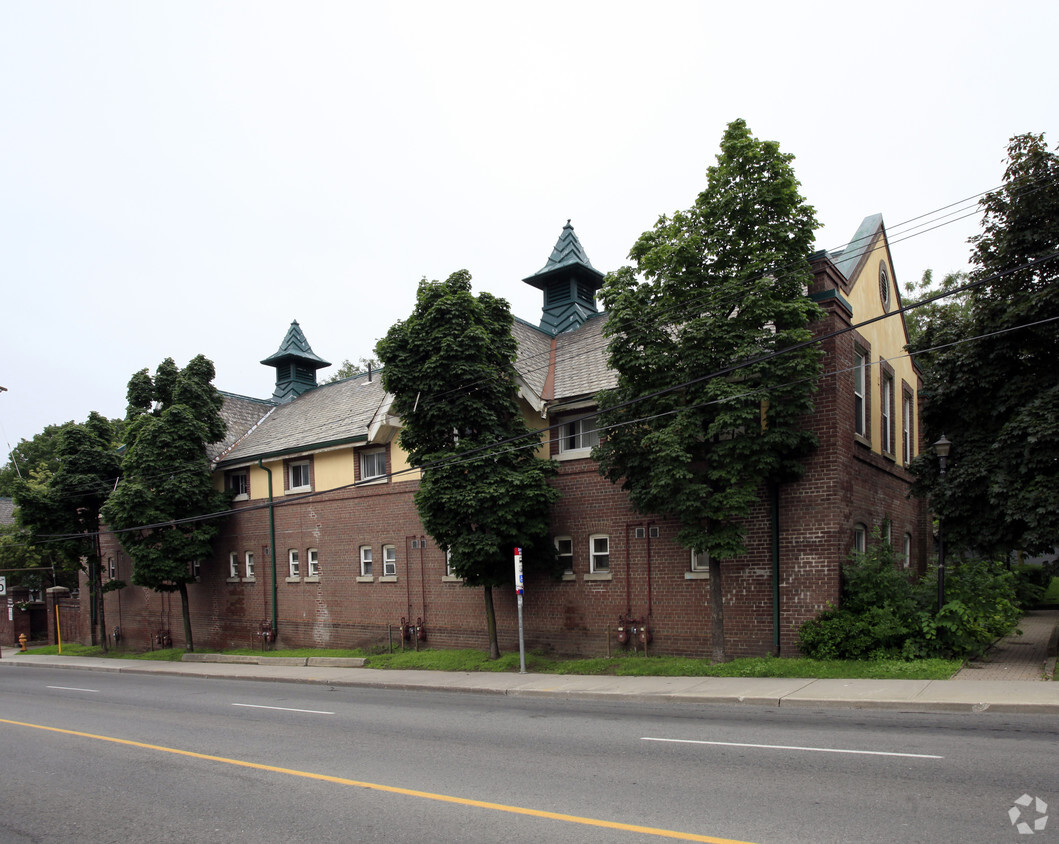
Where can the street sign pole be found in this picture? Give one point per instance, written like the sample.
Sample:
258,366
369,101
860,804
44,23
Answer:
518,591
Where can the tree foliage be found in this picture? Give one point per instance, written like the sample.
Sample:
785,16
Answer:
348,369
450,368
952,307
62,506
39,455
988,386
167,477
718,288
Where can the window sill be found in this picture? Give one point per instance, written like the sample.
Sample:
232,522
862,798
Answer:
574,454
365,578
233,580
597,575
297,490
249,580
313,578
371,481
451,578
388,578
696,575
241,497
294,580
569,576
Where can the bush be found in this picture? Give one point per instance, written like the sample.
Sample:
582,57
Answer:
885,615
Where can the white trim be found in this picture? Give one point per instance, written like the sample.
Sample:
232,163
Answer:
593,568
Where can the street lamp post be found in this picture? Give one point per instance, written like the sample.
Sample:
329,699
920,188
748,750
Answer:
941,448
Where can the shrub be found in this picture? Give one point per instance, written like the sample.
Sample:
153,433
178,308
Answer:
883,614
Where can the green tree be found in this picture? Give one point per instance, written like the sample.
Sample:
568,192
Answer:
988,386
953,307
450,368
723,290
37,454
62,507
348,369
167,482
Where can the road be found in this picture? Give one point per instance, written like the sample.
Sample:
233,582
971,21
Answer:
92,756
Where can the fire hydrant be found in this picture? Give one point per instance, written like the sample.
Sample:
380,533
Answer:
22,640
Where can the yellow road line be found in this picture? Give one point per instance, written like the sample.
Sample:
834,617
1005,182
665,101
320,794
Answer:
407,792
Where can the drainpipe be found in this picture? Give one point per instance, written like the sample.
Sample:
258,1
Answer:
272,546
775,495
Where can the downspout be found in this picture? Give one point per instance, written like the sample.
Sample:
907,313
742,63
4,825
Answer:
272,546
775,495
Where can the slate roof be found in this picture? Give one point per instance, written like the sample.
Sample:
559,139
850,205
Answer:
534,353
331,414
240,414
848,259
7,511
581,361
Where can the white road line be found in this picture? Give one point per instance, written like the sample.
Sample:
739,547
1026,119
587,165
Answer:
795,747
71,689
283,708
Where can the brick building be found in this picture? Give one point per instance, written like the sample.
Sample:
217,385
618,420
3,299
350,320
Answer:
317,474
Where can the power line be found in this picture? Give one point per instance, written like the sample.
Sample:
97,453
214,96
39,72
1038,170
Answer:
491,449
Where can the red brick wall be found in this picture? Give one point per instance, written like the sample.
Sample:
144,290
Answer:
844,483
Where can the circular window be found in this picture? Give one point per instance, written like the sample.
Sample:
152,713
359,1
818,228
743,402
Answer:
884,287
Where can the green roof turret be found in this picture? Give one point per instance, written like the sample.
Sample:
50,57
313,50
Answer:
569,282
296,365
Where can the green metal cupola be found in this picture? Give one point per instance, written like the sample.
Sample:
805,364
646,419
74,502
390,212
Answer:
295,364
569,282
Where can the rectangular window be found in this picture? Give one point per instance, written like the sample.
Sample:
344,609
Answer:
389,561
250,565
298,475
700,561
906,428
372,464
908,549
578,434
233,564
564,549
449,570
860,381
887,416
314,562
294,563
860,538
196,569
365,561
599,550
112,568
239,483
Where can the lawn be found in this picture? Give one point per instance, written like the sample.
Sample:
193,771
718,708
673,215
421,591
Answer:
629,666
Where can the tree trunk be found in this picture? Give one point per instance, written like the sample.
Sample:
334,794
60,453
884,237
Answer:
93,599
189,644
490,622
717,611
101,615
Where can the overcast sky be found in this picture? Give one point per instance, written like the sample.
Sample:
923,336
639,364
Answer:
188,177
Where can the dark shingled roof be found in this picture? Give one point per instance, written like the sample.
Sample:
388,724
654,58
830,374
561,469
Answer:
7,511
581,361
240,414
331,414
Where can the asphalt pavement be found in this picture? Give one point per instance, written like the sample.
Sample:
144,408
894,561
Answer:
1014,676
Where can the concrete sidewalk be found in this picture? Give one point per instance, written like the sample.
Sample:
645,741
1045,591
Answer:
1010,678
1009,696
1026,656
